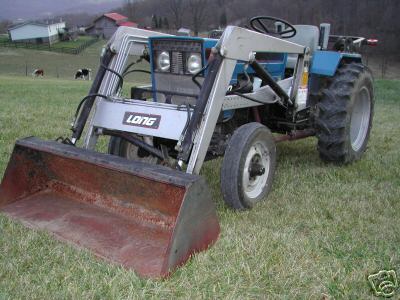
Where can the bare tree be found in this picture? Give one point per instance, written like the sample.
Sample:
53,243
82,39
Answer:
198,13
4,25
177,9
129,9
371,18
222,18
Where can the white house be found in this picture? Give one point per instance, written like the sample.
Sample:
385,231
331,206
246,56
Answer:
36,32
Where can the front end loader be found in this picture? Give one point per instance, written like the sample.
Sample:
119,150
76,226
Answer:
143,204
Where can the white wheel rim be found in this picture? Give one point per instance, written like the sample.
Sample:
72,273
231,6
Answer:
360,117
254,186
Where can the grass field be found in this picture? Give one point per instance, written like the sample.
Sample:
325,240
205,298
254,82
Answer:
321,232
22,62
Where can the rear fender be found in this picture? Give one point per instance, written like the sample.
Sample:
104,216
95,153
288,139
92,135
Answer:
325,63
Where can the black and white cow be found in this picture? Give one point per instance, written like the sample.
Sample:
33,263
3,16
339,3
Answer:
38,72
83,74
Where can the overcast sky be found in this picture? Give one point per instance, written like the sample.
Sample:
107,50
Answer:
38,9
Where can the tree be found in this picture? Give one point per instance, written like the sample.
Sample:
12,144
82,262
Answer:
223,20
4,26
197,13
129,9
370,18
177,9
166,23
154,21
160,22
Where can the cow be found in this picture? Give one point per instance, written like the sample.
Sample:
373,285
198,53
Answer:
83,74
38,72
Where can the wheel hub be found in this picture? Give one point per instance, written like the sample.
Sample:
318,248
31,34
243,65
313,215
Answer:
256,170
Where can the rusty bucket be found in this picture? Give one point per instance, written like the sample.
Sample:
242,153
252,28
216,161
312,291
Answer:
145,217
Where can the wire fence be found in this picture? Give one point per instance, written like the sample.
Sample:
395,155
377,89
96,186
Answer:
383,66
47,47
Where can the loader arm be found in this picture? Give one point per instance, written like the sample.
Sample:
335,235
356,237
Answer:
194,141
126,41
236,44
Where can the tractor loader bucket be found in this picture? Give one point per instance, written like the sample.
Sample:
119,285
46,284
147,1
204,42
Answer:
145,217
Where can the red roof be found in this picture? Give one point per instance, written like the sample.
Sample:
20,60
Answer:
116,17
128,23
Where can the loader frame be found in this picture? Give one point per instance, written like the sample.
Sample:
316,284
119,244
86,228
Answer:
191,128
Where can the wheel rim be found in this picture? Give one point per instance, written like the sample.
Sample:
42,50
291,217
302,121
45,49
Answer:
253,186
360,116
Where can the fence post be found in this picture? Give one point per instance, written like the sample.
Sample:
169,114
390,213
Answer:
26,68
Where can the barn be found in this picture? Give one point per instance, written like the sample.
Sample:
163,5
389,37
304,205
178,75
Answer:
105,25
36,32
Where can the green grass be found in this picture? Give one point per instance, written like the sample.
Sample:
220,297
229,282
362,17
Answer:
21,61
72,44
322,230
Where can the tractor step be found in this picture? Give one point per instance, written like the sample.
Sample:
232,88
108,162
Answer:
145,217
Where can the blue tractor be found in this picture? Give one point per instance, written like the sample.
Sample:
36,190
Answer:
323,89
143,204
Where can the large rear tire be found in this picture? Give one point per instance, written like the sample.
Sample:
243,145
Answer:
344,114
248,166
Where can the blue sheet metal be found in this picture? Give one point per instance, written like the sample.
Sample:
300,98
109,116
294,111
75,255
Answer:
326,62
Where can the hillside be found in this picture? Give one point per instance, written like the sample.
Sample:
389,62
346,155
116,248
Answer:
22,62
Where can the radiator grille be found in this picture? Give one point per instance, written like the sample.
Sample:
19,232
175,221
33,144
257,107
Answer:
177,65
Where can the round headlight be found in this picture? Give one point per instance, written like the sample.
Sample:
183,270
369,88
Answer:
194,63
163,61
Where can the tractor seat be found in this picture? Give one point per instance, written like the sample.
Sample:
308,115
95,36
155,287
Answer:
308,36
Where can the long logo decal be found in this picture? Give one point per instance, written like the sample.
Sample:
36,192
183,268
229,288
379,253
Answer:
141,120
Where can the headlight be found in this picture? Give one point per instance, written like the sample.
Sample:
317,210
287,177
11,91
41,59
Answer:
163,61
194,63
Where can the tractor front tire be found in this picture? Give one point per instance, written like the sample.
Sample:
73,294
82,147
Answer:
344,114
248,166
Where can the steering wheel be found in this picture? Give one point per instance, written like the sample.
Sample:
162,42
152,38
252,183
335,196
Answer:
267,25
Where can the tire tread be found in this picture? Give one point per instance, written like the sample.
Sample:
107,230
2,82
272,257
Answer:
333,113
